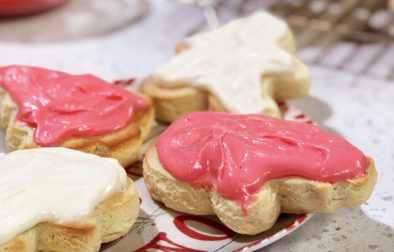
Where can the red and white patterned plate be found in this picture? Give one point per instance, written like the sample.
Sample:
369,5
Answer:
161,229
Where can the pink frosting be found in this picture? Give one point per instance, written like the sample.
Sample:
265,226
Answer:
58,105
237,154
25,7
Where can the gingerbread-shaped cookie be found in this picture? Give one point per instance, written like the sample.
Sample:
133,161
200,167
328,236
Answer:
58,199
45,108
242,67
247,169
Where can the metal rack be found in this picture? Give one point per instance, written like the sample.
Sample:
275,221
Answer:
360,31
360,24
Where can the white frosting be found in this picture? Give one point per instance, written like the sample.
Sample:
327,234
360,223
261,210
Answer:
230,62
53,184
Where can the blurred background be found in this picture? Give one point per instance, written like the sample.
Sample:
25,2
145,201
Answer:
333,34
348,45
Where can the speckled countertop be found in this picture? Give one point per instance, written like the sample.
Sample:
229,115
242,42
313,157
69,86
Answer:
359,108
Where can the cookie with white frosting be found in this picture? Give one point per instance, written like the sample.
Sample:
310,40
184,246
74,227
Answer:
241,67
58,199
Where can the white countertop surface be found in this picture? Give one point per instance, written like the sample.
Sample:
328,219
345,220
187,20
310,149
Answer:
359,108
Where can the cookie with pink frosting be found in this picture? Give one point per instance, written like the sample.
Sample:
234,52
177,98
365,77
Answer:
247,169
47,108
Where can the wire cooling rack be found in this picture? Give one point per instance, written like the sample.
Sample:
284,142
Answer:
355,36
